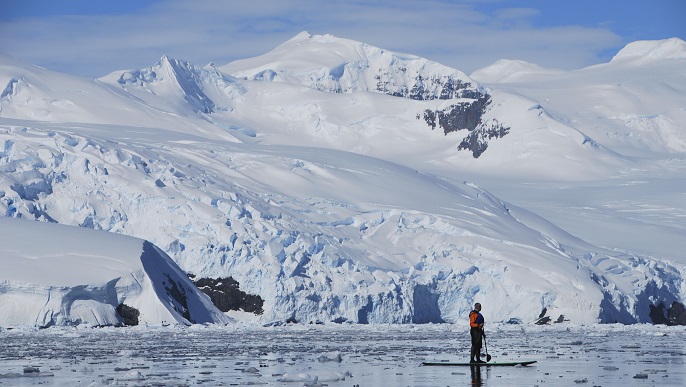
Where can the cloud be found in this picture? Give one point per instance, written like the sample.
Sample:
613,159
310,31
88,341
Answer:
514,17
456,34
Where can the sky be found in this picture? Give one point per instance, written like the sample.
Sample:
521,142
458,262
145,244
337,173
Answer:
95,37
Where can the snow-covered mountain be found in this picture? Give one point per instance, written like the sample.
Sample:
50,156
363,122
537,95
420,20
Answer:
59,275
328,178
331,64
632,105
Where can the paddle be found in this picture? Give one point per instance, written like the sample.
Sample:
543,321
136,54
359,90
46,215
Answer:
488,357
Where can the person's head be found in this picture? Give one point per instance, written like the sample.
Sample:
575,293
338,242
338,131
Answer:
477,306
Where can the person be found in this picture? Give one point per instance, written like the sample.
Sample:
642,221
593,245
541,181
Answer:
476,330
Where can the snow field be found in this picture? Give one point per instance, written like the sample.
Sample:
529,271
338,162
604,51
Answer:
348,201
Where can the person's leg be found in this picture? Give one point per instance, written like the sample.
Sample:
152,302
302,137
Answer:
477,346
475,351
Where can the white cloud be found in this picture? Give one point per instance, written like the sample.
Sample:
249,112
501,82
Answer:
202,31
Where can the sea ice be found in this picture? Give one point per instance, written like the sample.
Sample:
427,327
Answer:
388,355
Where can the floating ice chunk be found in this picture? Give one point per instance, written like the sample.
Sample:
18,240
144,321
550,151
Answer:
332,356
319,377
331,376
132,376
297,378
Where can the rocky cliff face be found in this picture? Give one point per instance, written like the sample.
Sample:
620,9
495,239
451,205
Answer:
468,116
226,294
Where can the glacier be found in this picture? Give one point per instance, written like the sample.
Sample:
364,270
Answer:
331,198
56,275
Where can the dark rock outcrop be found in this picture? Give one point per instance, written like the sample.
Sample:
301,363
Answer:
543,313
428,88
675,314
128,314
178,293
226,295
543,320
468,116
477,140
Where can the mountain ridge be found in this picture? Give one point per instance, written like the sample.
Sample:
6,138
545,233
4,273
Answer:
335,206
651,50
343,66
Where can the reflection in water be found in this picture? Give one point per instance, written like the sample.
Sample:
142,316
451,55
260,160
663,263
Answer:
476,375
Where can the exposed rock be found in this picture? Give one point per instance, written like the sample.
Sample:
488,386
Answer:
465,115
430,88
543,320
476,141
128,314
291,320
226,295
677,314
674,315
178,293
468,116
657,314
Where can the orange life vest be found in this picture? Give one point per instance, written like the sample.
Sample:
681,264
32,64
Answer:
473,315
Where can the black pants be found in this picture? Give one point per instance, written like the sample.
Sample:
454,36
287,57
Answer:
476,334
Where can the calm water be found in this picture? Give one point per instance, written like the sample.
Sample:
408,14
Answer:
341,355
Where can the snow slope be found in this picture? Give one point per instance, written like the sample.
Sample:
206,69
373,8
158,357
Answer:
396,128
34,93
340,203
277,219
633,107
59,275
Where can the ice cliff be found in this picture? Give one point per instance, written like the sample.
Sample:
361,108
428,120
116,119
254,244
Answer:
64,275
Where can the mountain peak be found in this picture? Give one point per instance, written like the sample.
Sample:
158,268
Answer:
301,36
650,50
171,66
176,76
339,65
